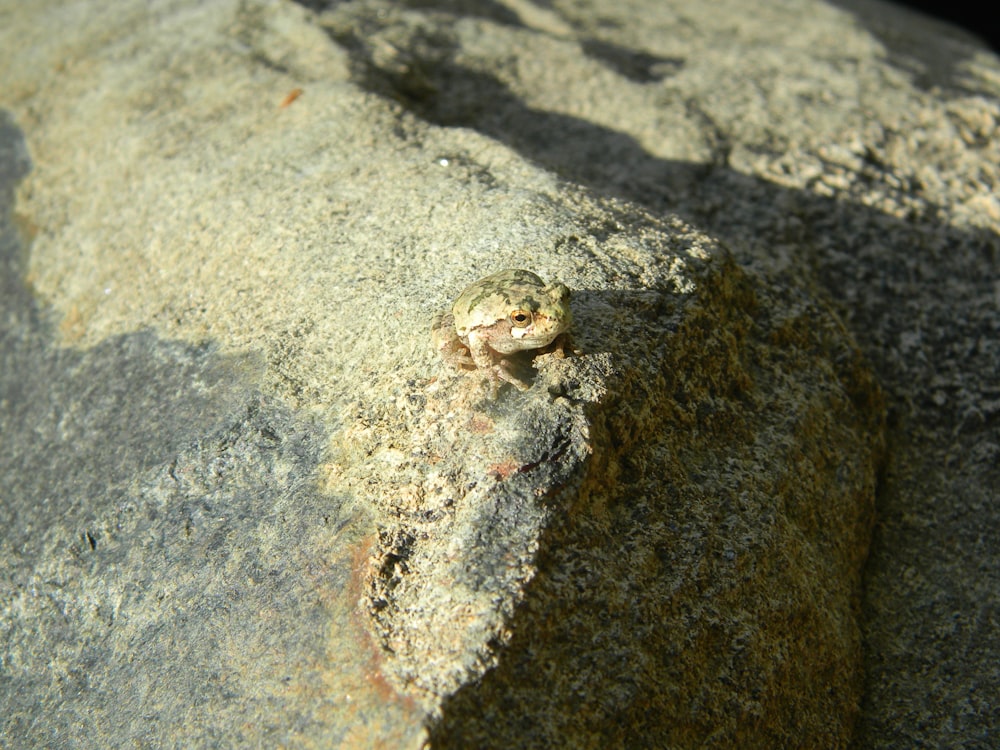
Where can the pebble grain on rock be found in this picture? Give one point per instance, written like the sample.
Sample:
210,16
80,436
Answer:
242,502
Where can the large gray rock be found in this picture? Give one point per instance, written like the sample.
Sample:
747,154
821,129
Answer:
244,503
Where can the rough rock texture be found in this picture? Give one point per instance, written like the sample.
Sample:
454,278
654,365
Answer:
243,504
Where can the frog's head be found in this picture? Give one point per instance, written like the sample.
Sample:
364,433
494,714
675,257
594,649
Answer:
539,317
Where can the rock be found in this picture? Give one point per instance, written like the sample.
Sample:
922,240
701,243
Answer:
246,504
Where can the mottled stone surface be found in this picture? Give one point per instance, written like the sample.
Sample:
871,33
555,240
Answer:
244,503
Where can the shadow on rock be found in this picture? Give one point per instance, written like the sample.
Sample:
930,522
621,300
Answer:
700,583
877,270
169,566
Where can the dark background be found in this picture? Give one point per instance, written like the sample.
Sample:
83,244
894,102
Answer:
981,19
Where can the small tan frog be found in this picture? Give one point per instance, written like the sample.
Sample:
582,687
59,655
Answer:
508,312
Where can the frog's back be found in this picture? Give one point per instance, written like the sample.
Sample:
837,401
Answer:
493,297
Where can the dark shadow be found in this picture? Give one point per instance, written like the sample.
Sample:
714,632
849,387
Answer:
15,163
636,65
77,422
835,240
138,480
930,47
631,575
485,9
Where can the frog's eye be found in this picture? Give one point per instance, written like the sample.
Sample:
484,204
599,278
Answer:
520,318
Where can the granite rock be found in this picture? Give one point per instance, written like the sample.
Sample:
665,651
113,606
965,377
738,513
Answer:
244,503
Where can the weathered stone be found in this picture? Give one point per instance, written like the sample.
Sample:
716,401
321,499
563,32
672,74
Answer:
243,502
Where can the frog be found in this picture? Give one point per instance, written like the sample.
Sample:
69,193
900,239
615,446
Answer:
499,316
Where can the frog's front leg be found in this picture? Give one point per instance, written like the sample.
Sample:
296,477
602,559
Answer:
487,360
562,343
479,350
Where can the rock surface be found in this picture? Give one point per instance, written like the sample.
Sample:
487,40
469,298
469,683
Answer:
243,502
